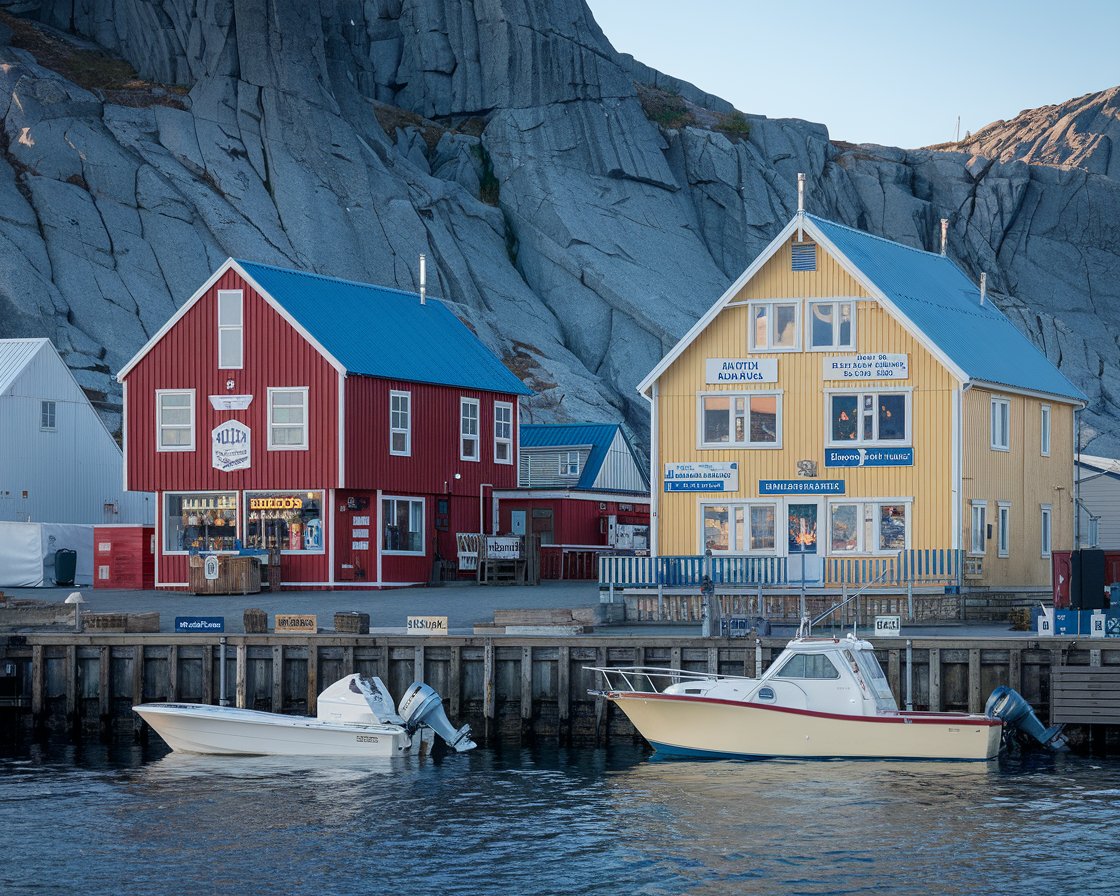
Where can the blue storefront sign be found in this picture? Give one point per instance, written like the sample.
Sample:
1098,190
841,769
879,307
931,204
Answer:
800,487
869,457
200,624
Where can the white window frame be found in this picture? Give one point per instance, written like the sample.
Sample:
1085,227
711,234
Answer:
978,534
1001,424
1046,528
160,425
1093,531
869,512
861,396
396,416
464,434
503,431
167,496
1003,517
569,464
770,305
836,345
1044,426
229,330
744,508
316,493
273,391
411,499
48,415
746,442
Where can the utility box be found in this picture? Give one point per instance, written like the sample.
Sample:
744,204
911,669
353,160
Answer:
124,557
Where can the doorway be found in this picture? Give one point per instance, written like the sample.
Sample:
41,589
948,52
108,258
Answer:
805,562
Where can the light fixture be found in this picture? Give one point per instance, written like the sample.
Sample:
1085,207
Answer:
77,600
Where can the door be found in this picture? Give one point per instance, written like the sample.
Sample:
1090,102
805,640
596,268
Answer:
805,563
517,522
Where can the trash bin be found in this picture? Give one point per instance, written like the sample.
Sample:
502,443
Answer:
65,566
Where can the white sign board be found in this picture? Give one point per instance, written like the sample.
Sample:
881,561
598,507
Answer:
230,402
1046,621
427,625
210,568
742,370
231,446
503,547
867,367
702,477
1097,625
888,626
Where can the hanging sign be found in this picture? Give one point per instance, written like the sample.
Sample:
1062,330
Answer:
230,446
230,402
742,370
702,477
867,367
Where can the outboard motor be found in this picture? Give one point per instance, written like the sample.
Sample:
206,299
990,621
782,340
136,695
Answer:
421,705
1009,705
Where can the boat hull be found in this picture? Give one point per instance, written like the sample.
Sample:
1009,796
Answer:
198,728
708,728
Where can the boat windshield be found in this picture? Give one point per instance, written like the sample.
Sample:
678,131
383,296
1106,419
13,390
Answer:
873,673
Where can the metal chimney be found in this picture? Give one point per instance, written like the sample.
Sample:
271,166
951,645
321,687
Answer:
983,287
944,233
423,278
800,204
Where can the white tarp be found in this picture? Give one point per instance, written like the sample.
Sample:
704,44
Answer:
27,553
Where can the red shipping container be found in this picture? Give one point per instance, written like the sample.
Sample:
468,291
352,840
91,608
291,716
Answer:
124,557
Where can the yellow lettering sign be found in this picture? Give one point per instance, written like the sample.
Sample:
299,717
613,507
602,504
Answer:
287,503
291,622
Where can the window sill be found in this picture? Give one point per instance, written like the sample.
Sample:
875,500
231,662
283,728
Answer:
162,450
288,448
740,446
387,553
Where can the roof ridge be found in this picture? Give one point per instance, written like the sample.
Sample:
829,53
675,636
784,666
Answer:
882,239
329,278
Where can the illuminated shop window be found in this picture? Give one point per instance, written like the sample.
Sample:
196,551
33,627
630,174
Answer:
285,521
201,521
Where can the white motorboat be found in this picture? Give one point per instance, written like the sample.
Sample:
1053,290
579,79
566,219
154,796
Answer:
822,698
355,717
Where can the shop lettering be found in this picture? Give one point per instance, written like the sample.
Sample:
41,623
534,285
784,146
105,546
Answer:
290,503
231,436
742,370
738,371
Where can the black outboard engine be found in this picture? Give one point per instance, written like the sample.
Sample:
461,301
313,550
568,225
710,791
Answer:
1008,705
421,705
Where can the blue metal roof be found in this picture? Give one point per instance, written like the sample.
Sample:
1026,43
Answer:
569,435
945,305
383,332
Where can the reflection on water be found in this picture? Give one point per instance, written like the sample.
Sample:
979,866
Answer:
519,821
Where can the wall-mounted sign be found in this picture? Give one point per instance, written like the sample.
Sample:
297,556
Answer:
801,486
702,477
499,547
230,402
231,446
197,624
292,622
210,568
359,546
869,457
742,370
427,625
888,626
867,367
287,502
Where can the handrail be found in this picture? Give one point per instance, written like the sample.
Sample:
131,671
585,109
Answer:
648,673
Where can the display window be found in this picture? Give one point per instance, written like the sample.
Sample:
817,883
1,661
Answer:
403,521
869,527
288,521
200,521
739,528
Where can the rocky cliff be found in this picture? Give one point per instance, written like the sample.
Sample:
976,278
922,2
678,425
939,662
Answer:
581,209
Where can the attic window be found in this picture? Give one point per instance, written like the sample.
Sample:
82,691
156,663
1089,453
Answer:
804,257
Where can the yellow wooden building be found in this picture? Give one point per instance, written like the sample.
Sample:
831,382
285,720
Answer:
851,397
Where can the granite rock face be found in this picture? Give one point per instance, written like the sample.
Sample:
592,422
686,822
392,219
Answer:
577,229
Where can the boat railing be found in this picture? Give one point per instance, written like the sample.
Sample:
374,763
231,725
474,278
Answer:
649,679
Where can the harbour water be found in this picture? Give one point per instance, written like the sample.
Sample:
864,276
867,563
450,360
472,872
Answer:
140,820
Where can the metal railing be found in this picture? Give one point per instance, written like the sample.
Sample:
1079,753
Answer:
646,679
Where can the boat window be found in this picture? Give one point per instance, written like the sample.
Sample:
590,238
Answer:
808,665
870,665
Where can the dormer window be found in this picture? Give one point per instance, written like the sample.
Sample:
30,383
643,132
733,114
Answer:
231,338
569,463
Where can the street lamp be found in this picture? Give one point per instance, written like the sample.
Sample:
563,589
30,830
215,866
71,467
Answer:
77,600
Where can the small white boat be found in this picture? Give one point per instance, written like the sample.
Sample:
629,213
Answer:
822,698
355,717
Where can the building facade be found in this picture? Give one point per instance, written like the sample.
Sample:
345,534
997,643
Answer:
851,397
352,427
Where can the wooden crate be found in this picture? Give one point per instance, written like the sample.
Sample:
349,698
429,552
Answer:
236,575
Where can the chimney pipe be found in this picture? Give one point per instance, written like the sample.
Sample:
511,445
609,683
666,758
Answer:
423,278
800,204
944,233
983,287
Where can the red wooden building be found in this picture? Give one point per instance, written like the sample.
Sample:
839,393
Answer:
354,427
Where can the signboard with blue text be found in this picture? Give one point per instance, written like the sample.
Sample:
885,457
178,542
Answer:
231,446
869,457
801,486
867,367
741,370
702,477
199,625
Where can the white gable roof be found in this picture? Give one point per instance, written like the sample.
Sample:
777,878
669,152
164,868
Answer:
15,355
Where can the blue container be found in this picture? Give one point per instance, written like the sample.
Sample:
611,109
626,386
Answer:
1112,622
1073,622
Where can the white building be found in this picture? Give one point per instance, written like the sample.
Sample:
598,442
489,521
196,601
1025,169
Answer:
1098,491
58,461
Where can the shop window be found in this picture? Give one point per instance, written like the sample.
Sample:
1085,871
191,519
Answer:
869,418
175,420
1044,414
569,464
751,420
47,416
1047,516
202,521
231,340
503,432
1004,517
400,423
468,429
1001,424
402,520
832,325
869,527
285,521
743,528
287,419
774,326
978,541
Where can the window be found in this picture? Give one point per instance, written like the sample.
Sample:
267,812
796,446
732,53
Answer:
468,429
569,463
808,665
400,423
1001,424
747,421
773,326
1093,530
832,325
868,418
230,330
403,525
503,432
1004,518
1045,529
287,419
203,521
47,416
978,541
1044,413
285,521
175,420
740,528
869,527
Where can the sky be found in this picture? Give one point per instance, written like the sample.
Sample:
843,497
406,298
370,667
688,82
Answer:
896,73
